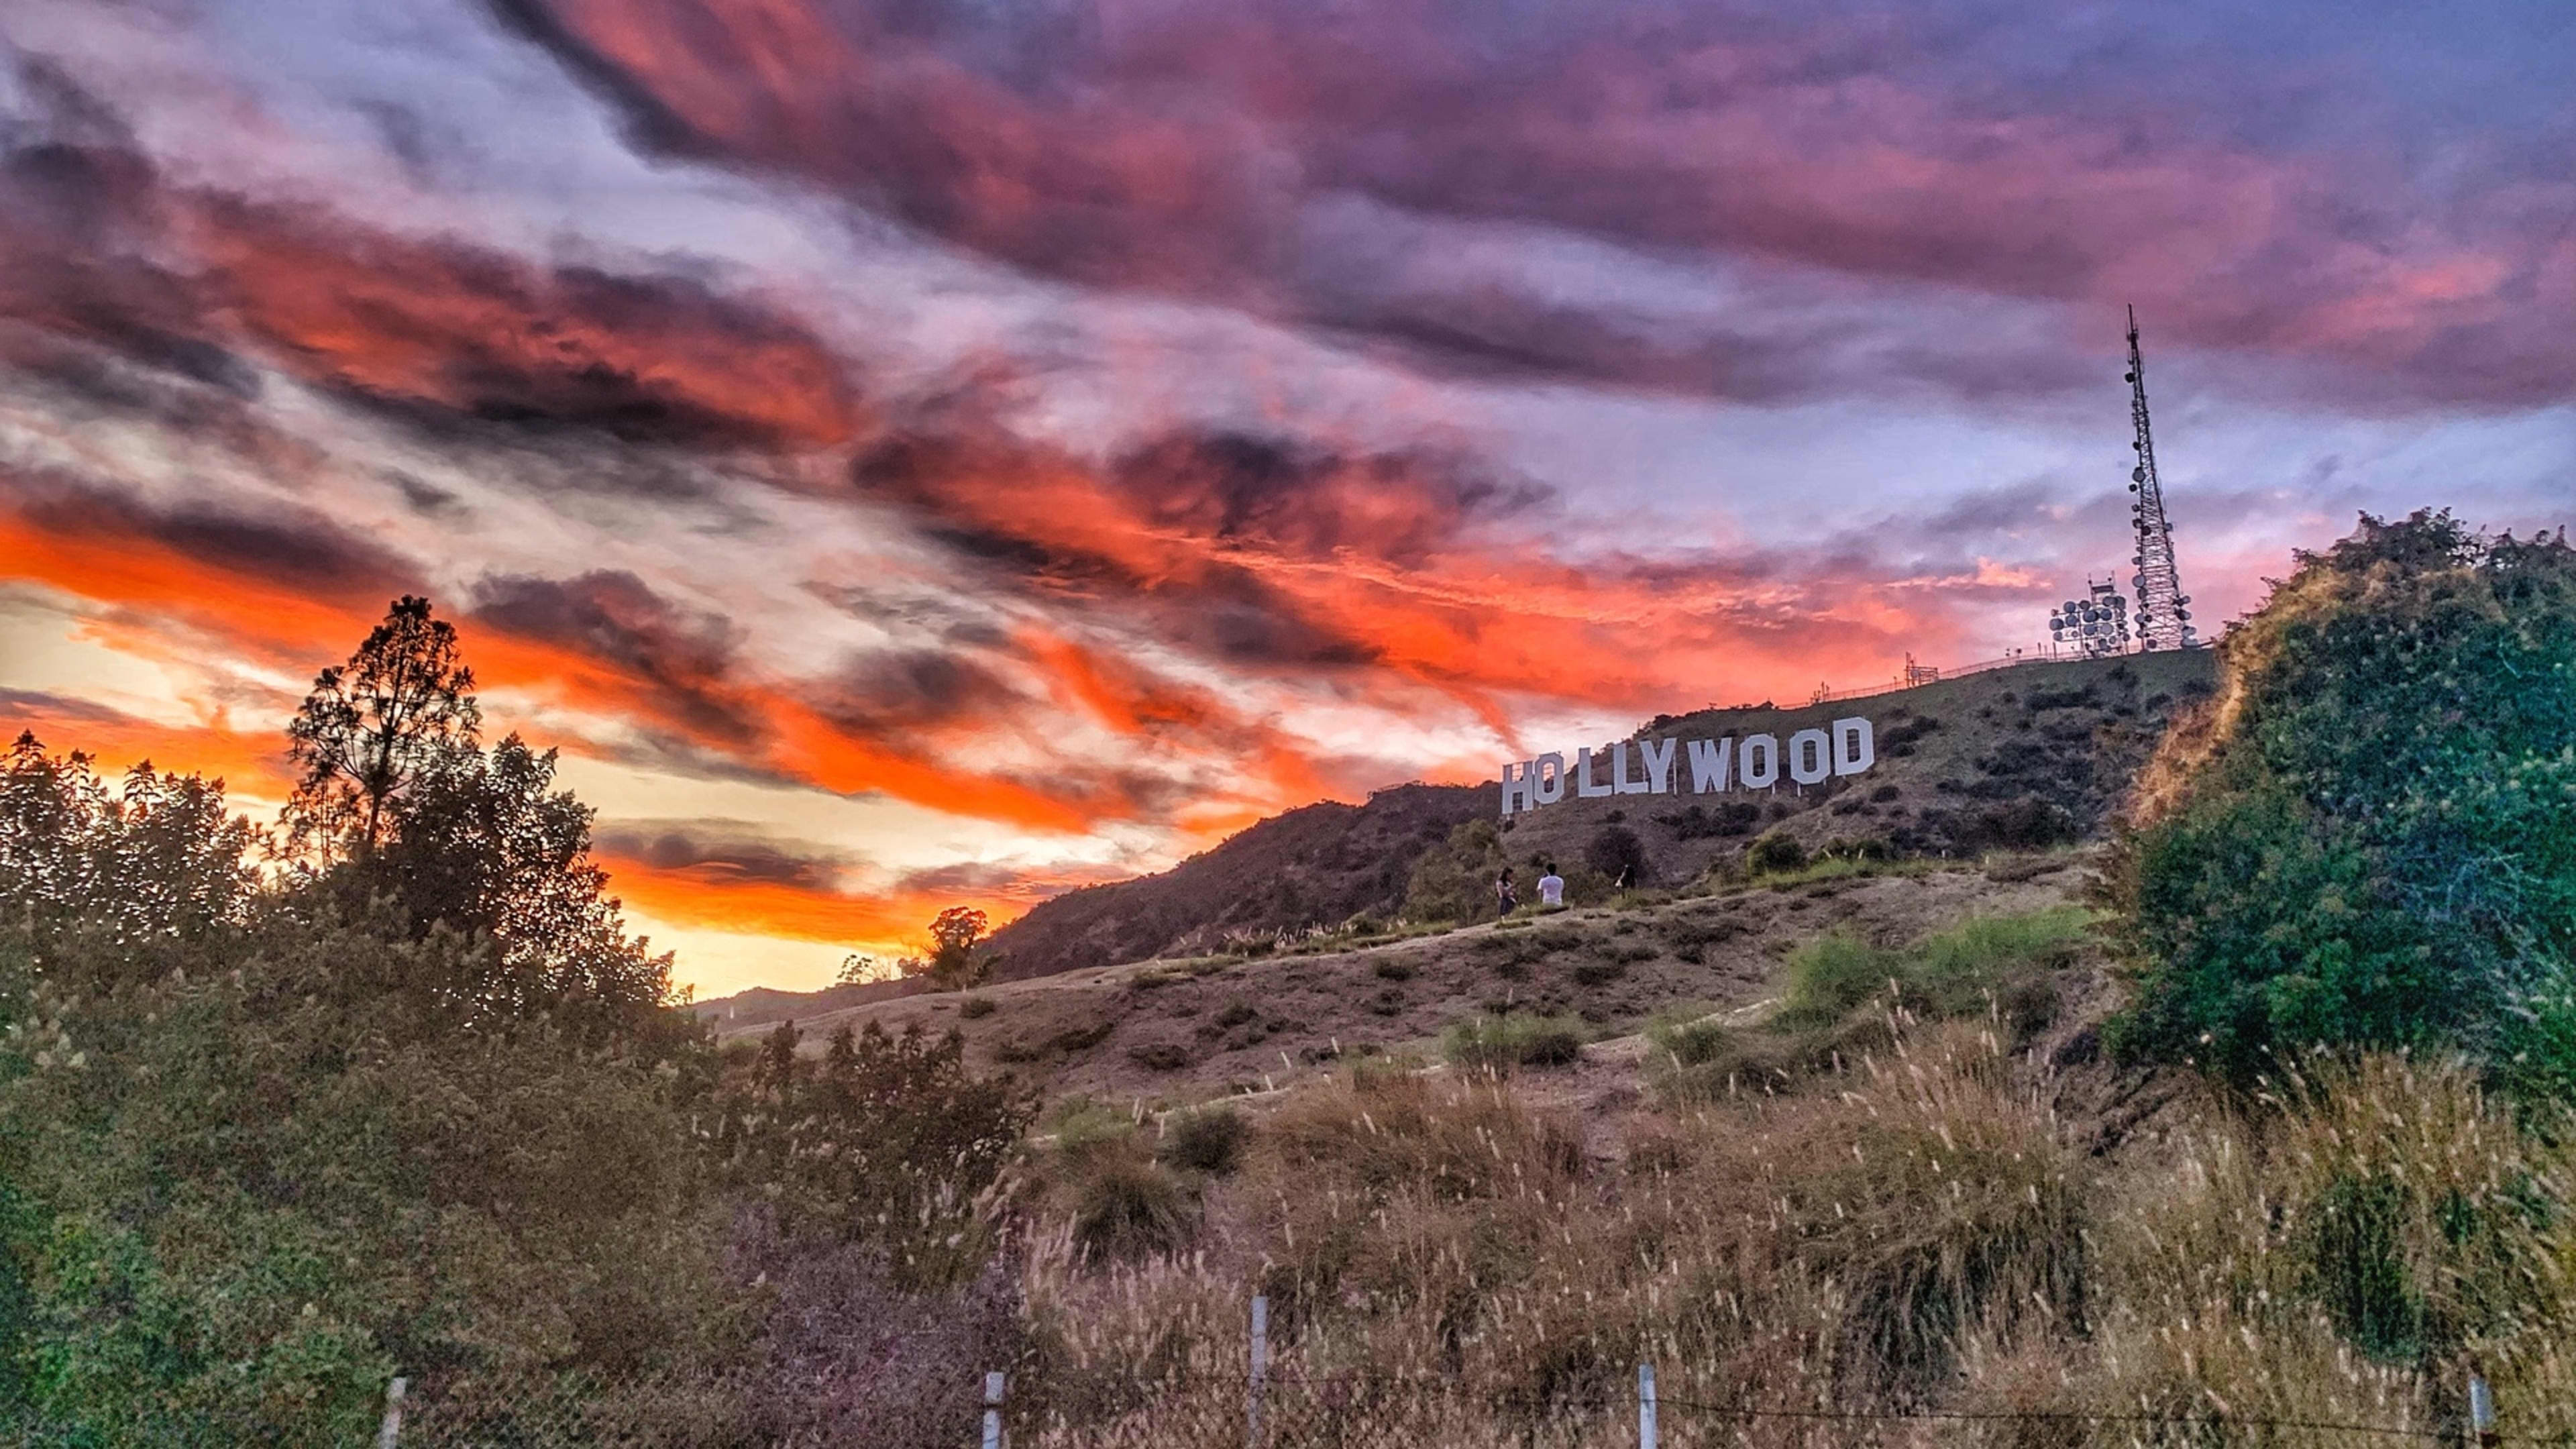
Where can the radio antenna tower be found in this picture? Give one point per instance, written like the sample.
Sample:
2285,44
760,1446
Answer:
2163,620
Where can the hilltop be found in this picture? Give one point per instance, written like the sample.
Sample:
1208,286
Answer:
2023,757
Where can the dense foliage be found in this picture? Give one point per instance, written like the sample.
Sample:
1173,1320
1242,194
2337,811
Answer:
2369,836
414,1102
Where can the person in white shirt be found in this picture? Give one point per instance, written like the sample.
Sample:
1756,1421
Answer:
1551,888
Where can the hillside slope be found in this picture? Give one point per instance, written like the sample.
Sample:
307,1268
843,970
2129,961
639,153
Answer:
2016,758
1181,1030
1322,863
2032,755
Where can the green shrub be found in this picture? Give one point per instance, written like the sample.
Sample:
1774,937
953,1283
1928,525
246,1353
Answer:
1454,881
1773,853
1832,974
2366,840
1513,1039
1206,1139
1955,970
1081,1124
2001,962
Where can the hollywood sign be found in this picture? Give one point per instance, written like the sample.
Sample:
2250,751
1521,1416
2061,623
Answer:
1716,766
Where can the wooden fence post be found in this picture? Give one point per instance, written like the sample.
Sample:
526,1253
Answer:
995,1383
1645,1406
1260,1371
391,1429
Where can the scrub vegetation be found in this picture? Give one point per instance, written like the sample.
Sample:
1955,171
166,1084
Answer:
2260,1115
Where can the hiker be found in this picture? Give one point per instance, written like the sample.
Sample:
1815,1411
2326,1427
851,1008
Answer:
1551,888
1505,898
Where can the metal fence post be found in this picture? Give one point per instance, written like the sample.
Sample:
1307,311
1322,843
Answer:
2482,1414
1260,1370
994,1384
391,1429
1645,1406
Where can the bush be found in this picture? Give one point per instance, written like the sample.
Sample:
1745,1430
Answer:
2002,963
1454,881
1206,1139
1615,849
1159,1056
1515,1039
2365,840
975,1007
1832,974
1127,1208
1774,853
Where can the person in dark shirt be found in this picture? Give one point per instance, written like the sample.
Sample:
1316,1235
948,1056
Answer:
1505,898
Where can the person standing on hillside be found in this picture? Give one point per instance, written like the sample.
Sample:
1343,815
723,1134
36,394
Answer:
1505,898
1551,888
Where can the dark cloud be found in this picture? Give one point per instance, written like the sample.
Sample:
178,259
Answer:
1206,151
882,693
300,549
97,245
79,211
1190,528
723,856
20,705
677,656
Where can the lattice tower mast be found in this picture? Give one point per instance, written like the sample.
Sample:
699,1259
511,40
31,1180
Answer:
2163,620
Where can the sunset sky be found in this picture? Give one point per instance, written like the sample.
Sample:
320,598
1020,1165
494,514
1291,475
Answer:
919,452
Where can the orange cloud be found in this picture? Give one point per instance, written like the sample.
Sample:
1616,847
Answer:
274,620
711,899
479,333
248,764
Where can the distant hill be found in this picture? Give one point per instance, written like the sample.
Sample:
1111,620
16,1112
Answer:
2013,758
765,1006
1321,863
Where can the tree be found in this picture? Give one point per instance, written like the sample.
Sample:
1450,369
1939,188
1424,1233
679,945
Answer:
484,843
158,858
954,934
372,729
2365,839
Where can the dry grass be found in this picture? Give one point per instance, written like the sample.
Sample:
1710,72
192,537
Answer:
1915,1232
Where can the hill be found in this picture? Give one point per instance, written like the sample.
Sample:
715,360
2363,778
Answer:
1319,864
1178,1030
2031,755
2024,757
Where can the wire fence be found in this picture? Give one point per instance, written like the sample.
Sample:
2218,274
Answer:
1207,1410
1924,674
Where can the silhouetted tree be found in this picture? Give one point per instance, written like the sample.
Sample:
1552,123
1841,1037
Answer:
372,729
954,934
